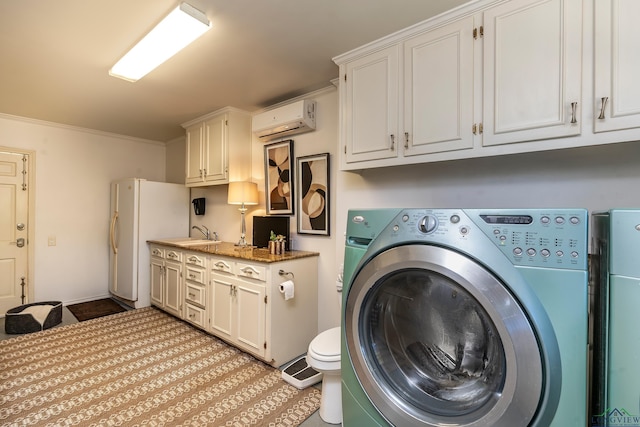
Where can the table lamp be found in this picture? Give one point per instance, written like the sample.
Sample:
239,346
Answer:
243,193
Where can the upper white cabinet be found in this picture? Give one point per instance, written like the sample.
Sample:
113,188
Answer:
617,65
370,91
218,148
438,89
532,71
489,78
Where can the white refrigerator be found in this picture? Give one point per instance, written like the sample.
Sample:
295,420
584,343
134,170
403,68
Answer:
141,210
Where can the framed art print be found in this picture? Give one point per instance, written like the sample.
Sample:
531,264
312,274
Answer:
312,184
278,165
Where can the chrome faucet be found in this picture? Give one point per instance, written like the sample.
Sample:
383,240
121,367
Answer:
207,234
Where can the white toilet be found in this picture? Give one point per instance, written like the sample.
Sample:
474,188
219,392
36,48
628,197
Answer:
324,356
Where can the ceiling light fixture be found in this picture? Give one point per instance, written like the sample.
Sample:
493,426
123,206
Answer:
181,27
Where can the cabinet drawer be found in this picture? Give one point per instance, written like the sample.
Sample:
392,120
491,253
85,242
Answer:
252,271
218,264
173,255
157,252
195,315
195,294
194,259
195,274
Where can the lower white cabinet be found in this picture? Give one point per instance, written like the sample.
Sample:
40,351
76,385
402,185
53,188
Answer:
238,312
166,279
240,301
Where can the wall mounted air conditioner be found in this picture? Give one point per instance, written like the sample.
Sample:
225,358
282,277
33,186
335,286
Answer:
291,119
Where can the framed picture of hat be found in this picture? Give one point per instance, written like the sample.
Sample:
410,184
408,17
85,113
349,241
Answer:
312,185
278,171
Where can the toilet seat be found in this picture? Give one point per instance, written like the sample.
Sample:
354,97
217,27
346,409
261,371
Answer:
326,346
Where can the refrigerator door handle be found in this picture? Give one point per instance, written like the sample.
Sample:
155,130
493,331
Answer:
112,232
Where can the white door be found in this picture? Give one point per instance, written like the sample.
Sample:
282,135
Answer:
617,65
532,70
438,89
214,155
124,242
250,316
371,97
193,166
14,213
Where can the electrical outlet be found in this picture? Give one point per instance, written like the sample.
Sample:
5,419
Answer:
51,241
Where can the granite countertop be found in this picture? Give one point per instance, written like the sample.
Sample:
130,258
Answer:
250,253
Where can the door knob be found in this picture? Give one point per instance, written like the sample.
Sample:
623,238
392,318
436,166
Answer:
19,242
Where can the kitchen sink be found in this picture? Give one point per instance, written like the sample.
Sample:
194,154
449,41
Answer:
189,241
195,242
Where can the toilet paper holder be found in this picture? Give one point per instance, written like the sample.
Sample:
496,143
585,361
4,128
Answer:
286,274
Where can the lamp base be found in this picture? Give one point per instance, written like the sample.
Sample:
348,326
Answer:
242,242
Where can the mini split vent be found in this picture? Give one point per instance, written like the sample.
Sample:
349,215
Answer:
292,119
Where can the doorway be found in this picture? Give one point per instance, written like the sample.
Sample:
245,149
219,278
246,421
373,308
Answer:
16,224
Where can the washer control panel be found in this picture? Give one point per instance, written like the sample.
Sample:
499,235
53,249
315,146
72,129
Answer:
542,240
531,237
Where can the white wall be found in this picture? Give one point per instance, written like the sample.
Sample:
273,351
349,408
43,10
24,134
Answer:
74,169
596,178
175,160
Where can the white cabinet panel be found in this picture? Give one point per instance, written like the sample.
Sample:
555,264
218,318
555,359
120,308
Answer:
371,97
438,90
250,316
617,65
221,315
532,70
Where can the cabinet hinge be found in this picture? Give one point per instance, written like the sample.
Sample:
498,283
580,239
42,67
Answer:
265,299
478,32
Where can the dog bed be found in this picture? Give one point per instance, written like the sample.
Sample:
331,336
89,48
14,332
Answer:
33,317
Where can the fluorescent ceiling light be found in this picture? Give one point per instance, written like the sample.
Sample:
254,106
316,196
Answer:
181,27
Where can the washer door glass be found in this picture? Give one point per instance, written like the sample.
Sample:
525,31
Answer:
434,340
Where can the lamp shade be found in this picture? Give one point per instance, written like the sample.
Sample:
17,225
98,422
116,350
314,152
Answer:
243,192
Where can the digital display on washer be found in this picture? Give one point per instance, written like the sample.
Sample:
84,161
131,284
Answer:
507,219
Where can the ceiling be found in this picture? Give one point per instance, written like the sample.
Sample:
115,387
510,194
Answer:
55,57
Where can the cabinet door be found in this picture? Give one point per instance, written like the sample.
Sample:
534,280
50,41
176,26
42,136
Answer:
532,70
438,90
173,285
156,282
371,106
215,149
193,167
221,294
617,65
250,316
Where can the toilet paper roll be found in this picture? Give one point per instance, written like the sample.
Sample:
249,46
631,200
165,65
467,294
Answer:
287,288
